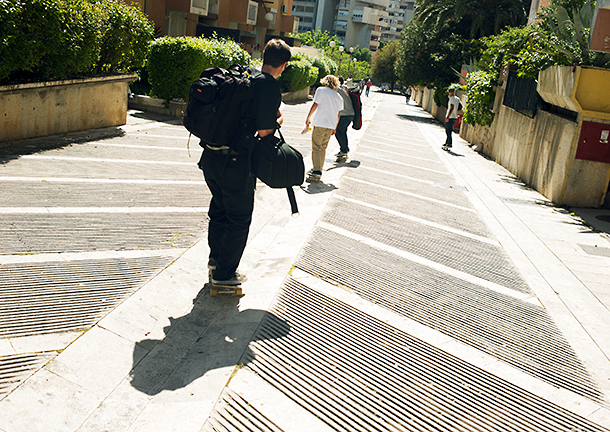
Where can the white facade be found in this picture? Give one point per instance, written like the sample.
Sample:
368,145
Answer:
400,12
362,23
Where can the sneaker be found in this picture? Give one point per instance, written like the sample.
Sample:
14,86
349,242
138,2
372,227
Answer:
237,279
212,264
446,147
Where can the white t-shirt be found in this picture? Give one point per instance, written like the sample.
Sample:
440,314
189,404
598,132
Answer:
456,103
329,104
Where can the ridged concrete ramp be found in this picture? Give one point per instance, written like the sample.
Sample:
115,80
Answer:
418,290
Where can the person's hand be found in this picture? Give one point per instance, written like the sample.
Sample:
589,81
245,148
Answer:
307,122
446,119
334,130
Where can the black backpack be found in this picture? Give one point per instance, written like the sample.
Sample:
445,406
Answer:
357,104
217,103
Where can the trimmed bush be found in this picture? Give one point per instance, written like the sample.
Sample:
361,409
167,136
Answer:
60,39
299,74
126,36
174,63
325,66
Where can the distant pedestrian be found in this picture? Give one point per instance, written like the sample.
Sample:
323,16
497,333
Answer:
346,116
451,117
368,86
328,103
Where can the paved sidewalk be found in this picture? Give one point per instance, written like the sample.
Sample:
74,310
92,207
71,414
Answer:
417,290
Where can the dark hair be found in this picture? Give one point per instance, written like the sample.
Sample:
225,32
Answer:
276,53
341,80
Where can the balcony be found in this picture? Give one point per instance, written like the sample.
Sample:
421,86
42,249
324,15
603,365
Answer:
366,15
382,3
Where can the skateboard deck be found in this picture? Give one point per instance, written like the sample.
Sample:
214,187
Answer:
313,178
215,290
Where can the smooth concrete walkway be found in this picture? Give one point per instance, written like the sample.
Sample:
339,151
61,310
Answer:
171,358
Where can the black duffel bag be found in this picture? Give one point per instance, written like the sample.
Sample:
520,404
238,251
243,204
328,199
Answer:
278,165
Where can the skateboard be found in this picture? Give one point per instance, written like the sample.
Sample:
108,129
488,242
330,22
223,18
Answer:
223,289
311,178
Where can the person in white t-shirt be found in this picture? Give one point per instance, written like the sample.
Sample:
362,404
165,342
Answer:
326,104
450,118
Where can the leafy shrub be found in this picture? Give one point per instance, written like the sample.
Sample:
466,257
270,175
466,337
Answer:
174,63
299,74
49,39
480,97
126,36
325,67
60,39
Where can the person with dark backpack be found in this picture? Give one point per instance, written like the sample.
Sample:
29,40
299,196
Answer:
346,116
226,169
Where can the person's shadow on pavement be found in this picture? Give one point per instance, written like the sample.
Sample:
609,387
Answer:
212,335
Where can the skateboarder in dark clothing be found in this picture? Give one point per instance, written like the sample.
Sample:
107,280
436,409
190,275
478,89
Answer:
228,175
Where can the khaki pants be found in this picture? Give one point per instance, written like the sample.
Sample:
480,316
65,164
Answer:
319,141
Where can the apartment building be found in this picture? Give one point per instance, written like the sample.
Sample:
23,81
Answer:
251,23
354,22
400,12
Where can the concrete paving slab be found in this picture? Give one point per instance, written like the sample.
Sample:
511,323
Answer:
118,411
47,402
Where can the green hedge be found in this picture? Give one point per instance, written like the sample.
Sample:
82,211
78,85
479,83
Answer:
325,66
60,39
299,74
174,63
480,98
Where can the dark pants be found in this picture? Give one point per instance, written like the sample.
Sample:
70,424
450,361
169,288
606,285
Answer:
341,134
231,207
449,129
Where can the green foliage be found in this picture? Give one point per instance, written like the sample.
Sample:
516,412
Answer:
188,57
319,39
426,56
480,98
441,98
300,73
325,66
60,39
384,69
472,18
126,36
557,39
564,37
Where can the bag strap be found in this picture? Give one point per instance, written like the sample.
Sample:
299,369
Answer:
293,202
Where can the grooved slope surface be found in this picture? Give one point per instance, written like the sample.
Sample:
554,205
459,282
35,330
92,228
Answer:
517,332
481,259
72,232
423,208
233,413
14,369
45,194
61,296
358,374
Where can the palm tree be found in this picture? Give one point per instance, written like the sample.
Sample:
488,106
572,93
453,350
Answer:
473,18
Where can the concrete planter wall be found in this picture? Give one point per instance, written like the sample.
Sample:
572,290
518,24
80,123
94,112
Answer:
298,96
176,109
56,107
159,106
541,150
